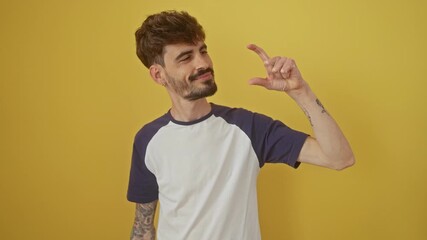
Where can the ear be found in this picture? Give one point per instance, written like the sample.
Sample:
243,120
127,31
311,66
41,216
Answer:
156,73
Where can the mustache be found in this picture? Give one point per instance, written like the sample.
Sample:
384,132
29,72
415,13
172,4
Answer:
200,73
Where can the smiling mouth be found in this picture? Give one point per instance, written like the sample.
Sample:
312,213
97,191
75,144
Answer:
204,74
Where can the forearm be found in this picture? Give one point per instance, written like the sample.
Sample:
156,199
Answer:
143,226
335,151
141,232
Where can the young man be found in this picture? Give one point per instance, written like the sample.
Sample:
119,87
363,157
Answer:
201,160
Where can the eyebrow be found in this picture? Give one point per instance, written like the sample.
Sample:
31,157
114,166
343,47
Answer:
204,46
183,54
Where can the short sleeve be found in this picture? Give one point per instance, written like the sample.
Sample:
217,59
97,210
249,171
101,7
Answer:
274,142
142,186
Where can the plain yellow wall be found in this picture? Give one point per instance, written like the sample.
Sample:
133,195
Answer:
73,94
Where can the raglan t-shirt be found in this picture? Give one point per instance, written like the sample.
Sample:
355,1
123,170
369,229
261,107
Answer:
204,172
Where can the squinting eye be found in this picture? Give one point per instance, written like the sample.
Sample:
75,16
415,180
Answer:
185,59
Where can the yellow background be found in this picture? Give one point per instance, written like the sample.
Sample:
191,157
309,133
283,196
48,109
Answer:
73,94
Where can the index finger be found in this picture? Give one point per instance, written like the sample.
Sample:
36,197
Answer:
261,53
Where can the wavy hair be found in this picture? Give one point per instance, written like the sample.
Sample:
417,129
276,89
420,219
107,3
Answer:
161,29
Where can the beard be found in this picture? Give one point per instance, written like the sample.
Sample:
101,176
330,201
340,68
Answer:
191,90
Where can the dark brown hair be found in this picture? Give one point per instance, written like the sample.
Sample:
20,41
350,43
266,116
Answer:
161,29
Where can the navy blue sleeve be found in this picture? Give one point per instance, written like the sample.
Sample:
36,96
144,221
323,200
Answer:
143,187
272,140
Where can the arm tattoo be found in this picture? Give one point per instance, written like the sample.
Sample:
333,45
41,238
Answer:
321,106
143,227
308,116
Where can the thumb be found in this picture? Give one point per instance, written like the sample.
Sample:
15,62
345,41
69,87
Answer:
258,81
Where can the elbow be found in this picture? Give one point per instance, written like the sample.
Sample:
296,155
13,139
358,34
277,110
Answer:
346,163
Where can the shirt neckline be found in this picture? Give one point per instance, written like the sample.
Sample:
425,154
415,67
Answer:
194,121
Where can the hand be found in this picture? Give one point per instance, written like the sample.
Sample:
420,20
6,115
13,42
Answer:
282,73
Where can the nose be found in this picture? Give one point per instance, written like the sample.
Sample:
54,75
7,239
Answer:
202,61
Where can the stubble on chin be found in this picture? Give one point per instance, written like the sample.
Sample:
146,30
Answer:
207,90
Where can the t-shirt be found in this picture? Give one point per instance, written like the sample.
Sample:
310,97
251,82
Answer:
204,172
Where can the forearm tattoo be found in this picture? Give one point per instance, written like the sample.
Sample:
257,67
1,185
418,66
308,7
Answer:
308,116
143,227
321,107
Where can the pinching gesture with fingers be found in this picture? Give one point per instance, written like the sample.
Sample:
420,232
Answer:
282,73
330,148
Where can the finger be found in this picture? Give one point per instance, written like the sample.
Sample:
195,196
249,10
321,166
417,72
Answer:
287,68
268,63
258,81
269,67
279,64
258,50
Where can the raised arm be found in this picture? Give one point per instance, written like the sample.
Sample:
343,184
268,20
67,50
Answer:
143,226
330,148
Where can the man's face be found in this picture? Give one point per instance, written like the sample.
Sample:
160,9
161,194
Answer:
189,71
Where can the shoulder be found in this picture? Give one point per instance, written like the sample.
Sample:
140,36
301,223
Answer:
239,115
151,128
230,112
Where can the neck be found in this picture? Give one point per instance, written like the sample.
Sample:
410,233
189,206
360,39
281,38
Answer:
187,111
